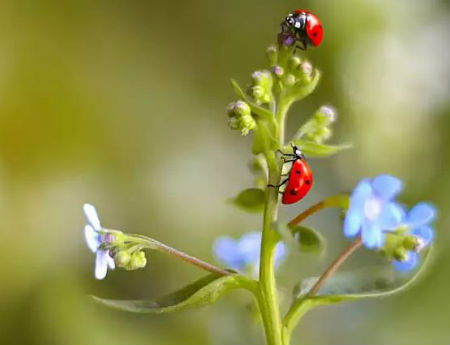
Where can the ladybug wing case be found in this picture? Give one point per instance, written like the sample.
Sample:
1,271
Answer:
299,184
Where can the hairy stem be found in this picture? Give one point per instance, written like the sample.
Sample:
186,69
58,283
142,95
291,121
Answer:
156,245
269,303
335,265
302,305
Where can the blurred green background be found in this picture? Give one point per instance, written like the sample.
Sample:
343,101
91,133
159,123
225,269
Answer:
121,104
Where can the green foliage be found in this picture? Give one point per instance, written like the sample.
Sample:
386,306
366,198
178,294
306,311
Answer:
202,292
313,149
309,239
250,200
373,282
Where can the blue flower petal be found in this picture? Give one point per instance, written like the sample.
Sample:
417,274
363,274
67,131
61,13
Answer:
101,264
425,233
391,216
249,247
409,264
353,222
226,251
280,253
372,236
111,263
421,214
386,187
92,216
92,238
360,194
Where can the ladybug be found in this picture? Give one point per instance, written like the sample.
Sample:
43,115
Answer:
302,26
300,177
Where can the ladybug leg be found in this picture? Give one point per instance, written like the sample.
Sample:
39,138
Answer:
278,185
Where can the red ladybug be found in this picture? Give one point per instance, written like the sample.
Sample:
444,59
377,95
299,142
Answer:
302,26
300,177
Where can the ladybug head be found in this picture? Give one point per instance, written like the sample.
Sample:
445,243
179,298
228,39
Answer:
298,154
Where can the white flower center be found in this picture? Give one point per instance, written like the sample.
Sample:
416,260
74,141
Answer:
372,208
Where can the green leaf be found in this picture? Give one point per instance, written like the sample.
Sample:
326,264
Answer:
251,200
378,281
256,109
263,141
200,293
313,149
310,240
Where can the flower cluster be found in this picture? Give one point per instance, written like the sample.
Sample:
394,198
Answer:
384,224
111,247
240,117
318,128
243,254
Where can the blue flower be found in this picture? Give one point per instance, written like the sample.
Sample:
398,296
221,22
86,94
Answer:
244,253
95,236
373,210
418,222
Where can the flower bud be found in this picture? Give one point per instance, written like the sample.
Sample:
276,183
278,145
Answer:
294,62
257,92
122,258
138,260
271,54
305,74
325,115
290,80
233,122
246,124
278,71
241,108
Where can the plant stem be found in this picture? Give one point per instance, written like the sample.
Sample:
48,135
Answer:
305,214
156,245
303,304
335,265
269,302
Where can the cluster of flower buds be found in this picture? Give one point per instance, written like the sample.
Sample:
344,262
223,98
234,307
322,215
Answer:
289,72
240,117
130,260
318,128
111,247
261,87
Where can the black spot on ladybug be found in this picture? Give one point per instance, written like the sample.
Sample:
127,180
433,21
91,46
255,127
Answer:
293,192
298,172
315,34
307,181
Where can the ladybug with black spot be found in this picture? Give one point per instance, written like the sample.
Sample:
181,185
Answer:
300,177
303,27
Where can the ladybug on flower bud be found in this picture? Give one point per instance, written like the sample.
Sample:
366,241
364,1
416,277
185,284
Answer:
301,26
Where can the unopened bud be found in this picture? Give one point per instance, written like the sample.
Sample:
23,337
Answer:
278,71
294,62
271,54
122,258
290,80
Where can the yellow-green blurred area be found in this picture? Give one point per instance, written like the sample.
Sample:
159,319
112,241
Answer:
122,104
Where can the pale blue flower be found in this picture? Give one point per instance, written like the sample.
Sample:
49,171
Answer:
95,237
244,253
373,210
418,221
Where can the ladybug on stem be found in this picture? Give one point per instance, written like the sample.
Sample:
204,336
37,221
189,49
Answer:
302,26
300,177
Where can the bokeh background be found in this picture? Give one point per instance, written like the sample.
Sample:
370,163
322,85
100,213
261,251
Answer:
121,103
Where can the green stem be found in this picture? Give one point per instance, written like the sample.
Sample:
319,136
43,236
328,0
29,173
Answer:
302,305
156,245
269,298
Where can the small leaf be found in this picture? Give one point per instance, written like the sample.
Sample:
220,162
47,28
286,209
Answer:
200,293
312,149
378,281
263,141
309,239
256,109
251,200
